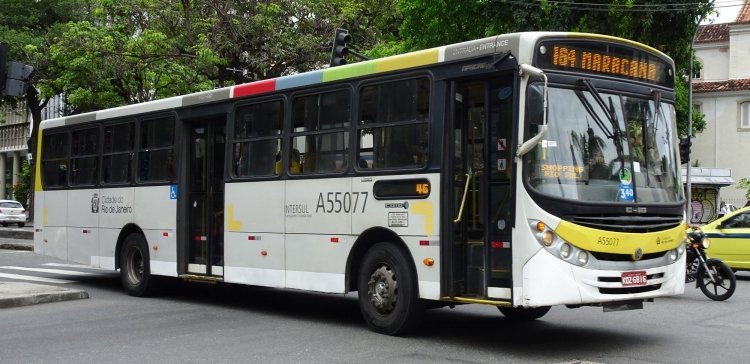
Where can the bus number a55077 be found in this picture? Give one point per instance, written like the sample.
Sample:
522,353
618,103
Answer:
338,202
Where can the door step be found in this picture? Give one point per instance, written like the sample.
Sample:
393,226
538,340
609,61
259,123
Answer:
479,300
201,279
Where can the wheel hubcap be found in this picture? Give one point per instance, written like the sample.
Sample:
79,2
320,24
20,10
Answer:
135,266
383,289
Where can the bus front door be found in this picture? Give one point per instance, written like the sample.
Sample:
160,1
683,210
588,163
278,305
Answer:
205,193
482,194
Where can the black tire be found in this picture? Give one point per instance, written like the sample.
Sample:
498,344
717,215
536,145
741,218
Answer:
21,224
134,267
524,313
387,289
725,283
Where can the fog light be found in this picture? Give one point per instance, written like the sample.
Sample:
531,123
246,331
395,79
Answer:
548,237
565,251
583,258
673,254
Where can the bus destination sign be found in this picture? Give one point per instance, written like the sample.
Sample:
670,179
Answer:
605,59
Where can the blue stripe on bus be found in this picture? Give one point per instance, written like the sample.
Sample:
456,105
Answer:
302,79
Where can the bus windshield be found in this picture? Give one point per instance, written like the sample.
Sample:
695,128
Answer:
604,147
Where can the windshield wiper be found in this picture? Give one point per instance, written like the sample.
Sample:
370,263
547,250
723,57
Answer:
616,133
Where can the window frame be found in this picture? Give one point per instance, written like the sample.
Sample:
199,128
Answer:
744,115
55,131
290,134
357,124
96,155
139,149
233,140
133,151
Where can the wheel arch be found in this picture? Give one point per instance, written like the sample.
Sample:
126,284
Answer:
364,241
124,232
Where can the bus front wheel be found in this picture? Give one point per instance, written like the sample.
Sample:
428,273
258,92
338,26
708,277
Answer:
134,266
387,290
524,313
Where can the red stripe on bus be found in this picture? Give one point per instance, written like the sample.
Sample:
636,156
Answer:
254,88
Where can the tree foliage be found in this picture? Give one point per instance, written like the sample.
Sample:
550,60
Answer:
668,25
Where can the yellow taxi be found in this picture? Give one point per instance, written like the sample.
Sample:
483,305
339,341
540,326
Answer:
730,239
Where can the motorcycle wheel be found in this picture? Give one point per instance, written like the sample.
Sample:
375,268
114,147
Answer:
725,283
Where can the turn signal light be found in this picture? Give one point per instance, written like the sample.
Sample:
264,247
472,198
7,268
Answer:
429,262
540,226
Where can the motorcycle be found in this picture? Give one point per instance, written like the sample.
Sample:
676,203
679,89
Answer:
715,279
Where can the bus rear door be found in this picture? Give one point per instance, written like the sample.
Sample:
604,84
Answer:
205,193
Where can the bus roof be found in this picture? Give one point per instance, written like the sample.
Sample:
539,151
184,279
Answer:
455,52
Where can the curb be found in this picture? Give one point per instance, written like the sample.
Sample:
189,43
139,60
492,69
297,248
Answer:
16,246
26,294
17,234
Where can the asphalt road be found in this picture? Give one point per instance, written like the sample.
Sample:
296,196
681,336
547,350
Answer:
199,323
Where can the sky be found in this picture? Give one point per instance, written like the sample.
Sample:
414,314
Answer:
727,9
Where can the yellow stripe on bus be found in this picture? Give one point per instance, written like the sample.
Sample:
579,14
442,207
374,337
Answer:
596,240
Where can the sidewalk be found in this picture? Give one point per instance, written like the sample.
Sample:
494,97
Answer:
15,294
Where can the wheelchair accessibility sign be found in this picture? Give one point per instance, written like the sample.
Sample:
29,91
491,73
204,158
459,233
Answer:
173,192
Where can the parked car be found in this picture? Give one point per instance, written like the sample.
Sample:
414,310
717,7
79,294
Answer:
730,239
12,212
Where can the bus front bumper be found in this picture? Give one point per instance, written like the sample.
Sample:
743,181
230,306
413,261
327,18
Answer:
549,281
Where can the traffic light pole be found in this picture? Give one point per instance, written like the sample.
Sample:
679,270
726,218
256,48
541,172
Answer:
688,184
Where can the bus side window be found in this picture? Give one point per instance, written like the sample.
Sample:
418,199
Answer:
393,130
257,138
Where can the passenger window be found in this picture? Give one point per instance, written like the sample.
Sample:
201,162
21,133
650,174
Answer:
156,151
84,159
119,143
55,159
320,137
393,128
257,139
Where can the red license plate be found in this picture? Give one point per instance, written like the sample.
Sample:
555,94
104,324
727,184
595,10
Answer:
630,279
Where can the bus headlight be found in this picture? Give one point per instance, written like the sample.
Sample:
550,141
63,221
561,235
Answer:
673,254
548,238
583,257
565,250
557,246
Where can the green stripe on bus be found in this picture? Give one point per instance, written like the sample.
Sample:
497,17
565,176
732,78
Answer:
349,71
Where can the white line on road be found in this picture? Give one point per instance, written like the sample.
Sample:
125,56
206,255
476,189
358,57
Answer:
53,271
32,278
68,265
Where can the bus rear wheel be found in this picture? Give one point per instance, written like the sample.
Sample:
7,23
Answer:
134,267
387,290
524,313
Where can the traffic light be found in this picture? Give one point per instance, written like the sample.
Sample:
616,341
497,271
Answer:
18,74
685,144
340,49
3,60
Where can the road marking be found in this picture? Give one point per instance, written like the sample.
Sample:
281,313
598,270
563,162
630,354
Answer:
53,271
68,265
35,279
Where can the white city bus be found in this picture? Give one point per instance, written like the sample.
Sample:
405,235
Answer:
522,170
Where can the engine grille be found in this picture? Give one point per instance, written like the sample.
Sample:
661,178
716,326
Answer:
628,223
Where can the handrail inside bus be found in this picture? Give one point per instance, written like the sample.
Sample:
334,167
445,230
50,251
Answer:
463,199
531,143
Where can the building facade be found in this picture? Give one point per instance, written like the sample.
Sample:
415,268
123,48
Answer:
15,128
722,93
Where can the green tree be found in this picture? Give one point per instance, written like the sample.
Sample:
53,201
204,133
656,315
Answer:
744,183
667,25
